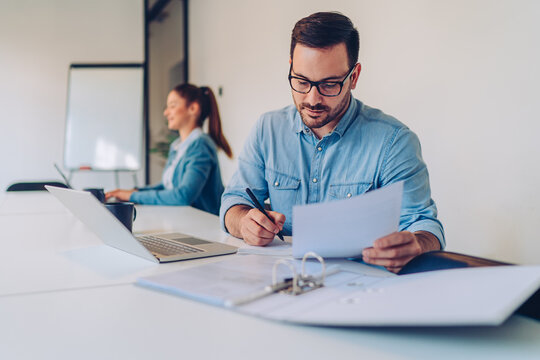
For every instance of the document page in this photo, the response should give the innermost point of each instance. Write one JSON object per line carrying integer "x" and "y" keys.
{"x": 343, "y": 228}
{"x": 227, "y": 280}
{"x": 275, "y": 248}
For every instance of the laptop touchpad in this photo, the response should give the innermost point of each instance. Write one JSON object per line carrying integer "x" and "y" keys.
{"x": 192, "y": 241}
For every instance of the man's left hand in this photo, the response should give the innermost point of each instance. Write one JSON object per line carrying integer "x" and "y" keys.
{"x": 397, "y": 249}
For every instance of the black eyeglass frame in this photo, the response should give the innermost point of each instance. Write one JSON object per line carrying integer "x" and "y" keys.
{"x": 317, "y": 83}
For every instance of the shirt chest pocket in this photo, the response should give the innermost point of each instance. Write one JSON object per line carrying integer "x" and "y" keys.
{"x": 283, "y": 189}
{"x": 345, "y": 191}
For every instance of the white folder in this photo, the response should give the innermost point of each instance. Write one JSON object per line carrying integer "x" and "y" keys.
{"x": 359, "y": 295}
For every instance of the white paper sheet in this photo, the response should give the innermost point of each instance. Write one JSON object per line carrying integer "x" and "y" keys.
{"x": 275, "y": 248}
{"x": 230, "y": 279}
{"x": 343, "y": 228}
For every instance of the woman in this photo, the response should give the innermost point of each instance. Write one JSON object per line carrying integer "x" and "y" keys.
{"x": 191, "y": 175}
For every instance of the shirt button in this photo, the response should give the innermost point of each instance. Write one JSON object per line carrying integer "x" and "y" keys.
{"x": 349, "y": 195}
{"x": 319, "y": 148}
{"x": 276, "y": 183}
{"x": 314, "y": 180}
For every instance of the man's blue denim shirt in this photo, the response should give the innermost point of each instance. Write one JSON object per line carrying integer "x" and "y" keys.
{"x": 283, "y": 161}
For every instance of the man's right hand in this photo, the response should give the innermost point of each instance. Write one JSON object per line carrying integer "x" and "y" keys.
{"x": 251, "y": 225}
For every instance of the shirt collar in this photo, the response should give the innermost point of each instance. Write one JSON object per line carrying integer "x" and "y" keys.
{"x": 342, "y": 126}
{"x": 195, "y": 133}
{"x": 298, "y": 124}
{"x": 347, "y": 118}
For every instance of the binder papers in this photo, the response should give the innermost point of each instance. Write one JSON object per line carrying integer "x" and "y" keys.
{"x": 275, "y": 248}
{"x": 343, "y": 228}
{"x": 226, "y": 281}
{"x": 355, "y": 295}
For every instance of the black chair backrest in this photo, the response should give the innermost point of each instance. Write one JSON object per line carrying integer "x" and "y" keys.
{"x": 34, "y": 186}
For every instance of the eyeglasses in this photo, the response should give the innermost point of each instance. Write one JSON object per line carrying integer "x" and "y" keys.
{"x": 325, "y": 88}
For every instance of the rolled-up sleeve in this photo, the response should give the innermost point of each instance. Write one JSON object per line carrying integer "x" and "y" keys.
{"x": 403, "y": 162}
{"x": 250, "y": 174}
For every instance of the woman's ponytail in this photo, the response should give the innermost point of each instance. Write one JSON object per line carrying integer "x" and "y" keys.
{"x": 207, "y": 101}
{"x": 209, "y": 108}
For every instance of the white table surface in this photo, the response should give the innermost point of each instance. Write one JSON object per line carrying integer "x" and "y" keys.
{"x": 53, "y": 250}
{"x": 65, "y": 295}
{"x": 128, "y": 322}
{"x": 29, "y": 202}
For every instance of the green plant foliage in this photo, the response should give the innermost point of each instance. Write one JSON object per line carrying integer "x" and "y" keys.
{"x": 162, "y": 147}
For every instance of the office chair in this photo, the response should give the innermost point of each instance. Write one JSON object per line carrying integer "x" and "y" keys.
{"x": 441, "y": 260}
{"x": 34, "y": 186}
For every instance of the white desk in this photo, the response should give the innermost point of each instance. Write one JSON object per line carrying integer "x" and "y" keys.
{"x": 29, "y": 202}
{"x": 73, "y": 298}
{"x": 53, "y": 250}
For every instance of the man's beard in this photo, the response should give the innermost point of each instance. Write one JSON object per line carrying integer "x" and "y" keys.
{"x": 327, "y": 115}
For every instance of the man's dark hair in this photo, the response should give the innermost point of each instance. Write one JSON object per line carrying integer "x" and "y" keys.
{"x": 326, "y": 29}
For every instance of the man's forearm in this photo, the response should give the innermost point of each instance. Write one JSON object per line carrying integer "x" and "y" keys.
{"x": 428, "y": 241}
{"x": 232, "y": 219}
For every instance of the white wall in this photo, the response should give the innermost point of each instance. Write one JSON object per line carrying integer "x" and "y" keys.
{"x": 463, "y": 74}
{"x": 38, "y": 41}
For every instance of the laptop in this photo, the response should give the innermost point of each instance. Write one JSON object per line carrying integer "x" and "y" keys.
{"x": 157, "y": 248}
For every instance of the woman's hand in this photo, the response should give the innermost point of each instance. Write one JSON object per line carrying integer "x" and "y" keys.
{"x": 119, "y": 194}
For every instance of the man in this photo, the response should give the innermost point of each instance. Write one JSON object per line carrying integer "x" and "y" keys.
{"x": 330, "y": 146}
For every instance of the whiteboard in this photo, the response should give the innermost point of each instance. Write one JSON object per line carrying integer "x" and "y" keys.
{"x": 104, "y": 117}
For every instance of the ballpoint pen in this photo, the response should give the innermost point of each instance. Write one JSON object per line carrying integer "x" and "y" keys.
{"x": 261, "y": 209}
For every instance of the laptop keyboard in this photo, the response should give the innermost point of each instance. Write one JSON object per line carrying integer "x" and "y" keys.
{"x": 166, "y": 247}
